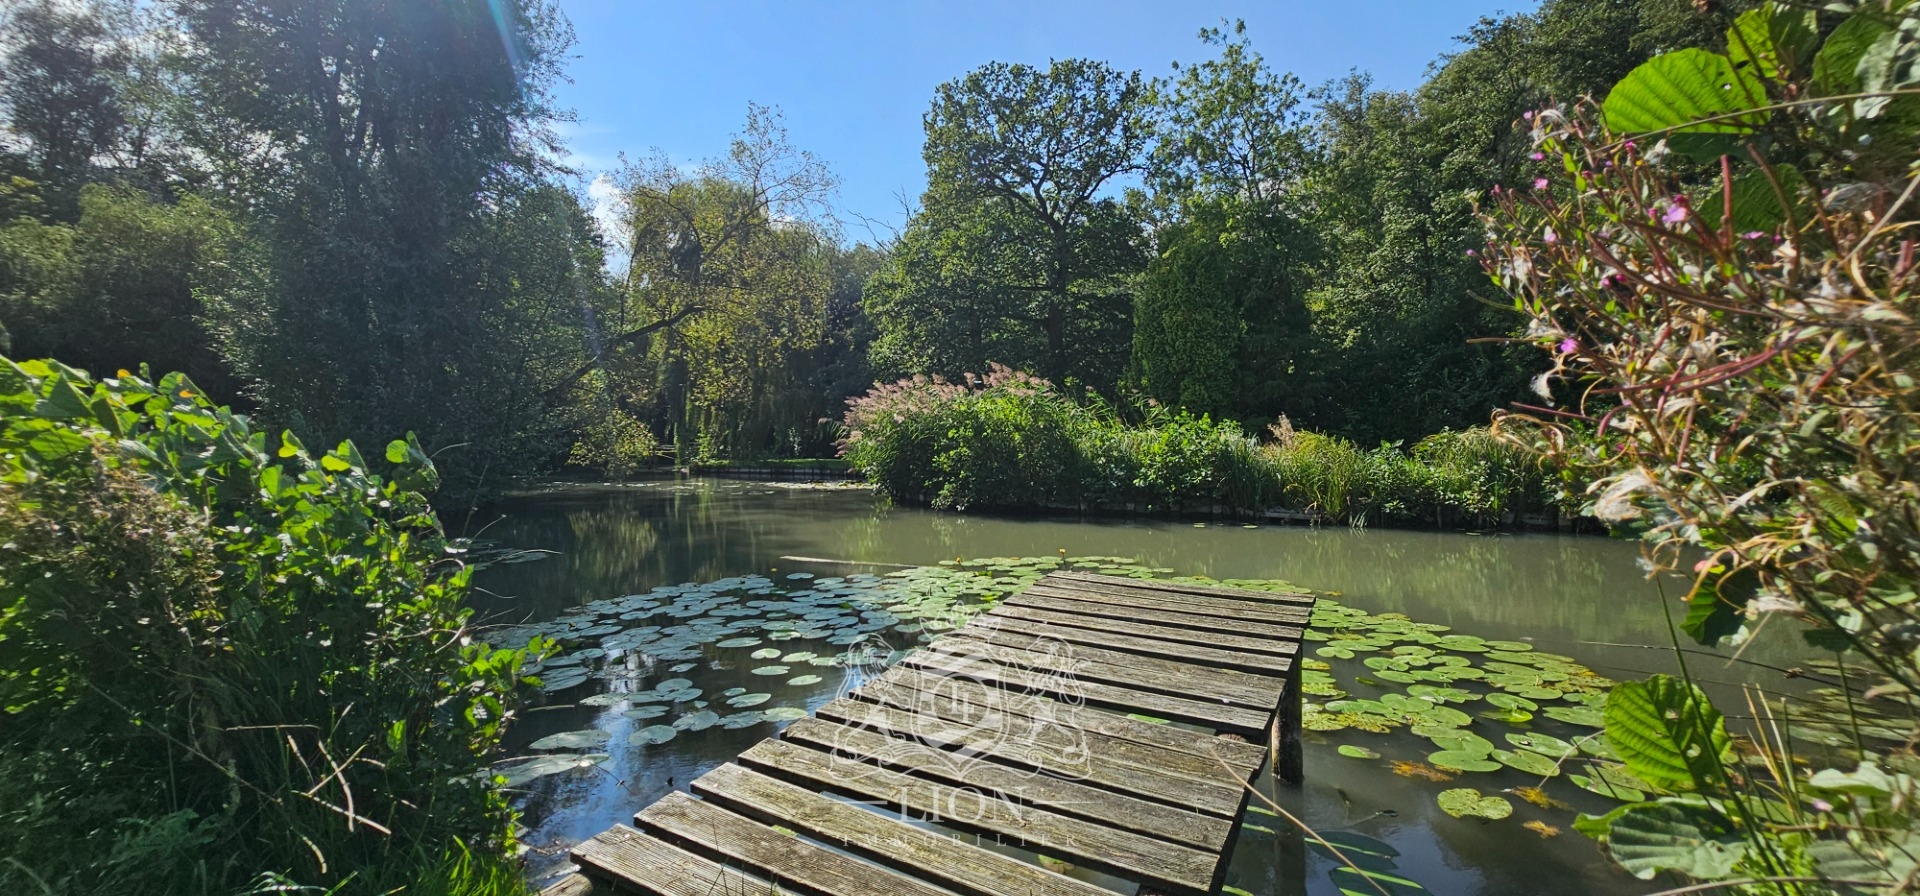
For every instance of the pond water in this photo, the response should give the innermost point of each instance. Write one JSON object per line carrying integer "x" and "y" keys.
{"x": 1580, "y": 597}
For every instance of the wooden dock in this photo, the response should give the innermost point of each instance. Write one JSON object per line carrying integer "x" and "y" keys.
{"x": 1024, "y": 729}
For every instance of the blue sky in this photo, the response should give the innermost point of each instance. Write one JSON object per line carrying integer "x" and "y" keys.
{"x": 854, "y": 76}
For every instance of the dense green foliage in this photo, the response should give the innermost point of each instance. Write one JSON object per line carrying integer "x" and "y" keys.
{"x": 1011, "y": 440}
{"x": 226, "y": 660}
{"x": 1277, "y": 259}
{"x": 1733, "y": 347}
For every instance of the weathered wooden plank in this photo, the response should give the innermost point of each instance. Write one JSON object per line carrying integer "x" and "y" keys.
{"x": 794, "y": 863}
{"x": 1145, "y": 859}
{"x": 1199, "y": 606}
{"x": 1244, "y": 756}
{"x": 1287, "y": 647}
{"x": 634, "y": 861}
{"x": 1225, "y": 592}
{"x": 1211, "y": 714}
{"x": 574, "y": 884}
{"x": 1063, "y": 754}
{"x": 1000, "y": 642}
{"x": 991, "y": 645}
{"x": 1027, "y": 733}
{"x": 1025, "y": 786}
{"x": 1152, "y": 611}
{"x": 1189, "y": 654}
{"x": 917, "y": 852}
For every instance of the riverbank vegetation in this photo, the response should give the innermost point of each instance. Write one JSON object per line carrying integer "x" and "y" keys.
{"x": 229, "y": 663}
{"x": 1010, "y": 440}
{"x": 1719, "y": 263}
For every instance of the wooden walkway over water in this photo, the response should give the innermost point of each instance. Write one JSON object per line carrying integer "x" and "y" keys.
{"x": 1020, "y": 730}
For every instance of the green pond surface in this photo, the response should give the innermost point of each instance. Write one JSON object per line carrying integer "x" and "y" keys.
{"x": 691, "y": 633}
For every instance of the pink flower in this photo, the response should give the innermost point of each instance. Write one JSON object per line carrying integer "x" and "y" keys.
{"x": 1527, "y": 115}
{"x": 1820, "y": 805}
{"x": 1568, "y": 346}
{"x": 1538, "y": 156}
{"x": 1472, "y": 254}
{"x": 1675, "y": 214}
{"x": 1539, "y": 183}
{"x": 1753, "y": 235}
{"x": 1550, "y": 236}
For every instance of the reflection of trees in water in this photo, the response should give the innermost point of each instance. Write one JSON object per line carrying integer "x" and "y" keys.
{"x": 611, "y": 551}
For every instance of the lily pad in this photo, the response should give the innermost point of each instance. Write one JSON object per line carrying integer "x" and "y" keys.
{"x": 653, "y": 734}
{"x": 572, "y": 740}
{"x": 697, "y": 721}
{"x": 1357, "y": 752}
{"x": 649, "y": 711}
{"x": 772, "y": 670}
{"x": 1510, "y": 701}
{"x": 1463, "y": 761}
{"x": 563, "y": 679}
{"x": 1611, "y": 791}
{"x": 1545, "y": 744}
{"x": 1585, "y": 716}
{"x": 1463, "y": 742}
{"x": 743, "y": 701}
{"x": 539, "y": 767}
{"x": 1527, "y": 761}
{"x": 785, "y": 714}
{"x": 738, "y": 642}
{"x": 1466, "y": 802}
{"x": 766, "y": 653}
{"x": 804, "y": 680}
{"x": 746, "y": 719}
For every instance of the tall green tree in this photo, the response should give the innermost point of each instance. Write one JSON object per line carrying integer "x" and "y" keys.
{"x": 60, "y": 68}
{"x": 1021, "y": 230}
{"x": 388, "y": 155}
{"x": 726, "y": 292}
{"x": 1220, "y": 325}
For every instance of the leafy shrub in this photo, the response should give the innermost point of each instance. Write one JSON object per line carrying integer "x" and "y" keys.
{"x": 227, "y": 661}
{"x": 1011, "y": 440}
{"x": 1741, "y": 349}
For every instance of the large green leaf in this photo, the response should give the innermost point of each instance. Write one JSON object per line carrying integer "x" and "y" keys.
{"x": 1667, "y": 733}
{"x": 1836, "y": 70}
{"x": 1714, "y": 608}
{"x": 1888, "y": 858}
{"x": 1678, "y": 92}
{"x": 1673, "y": 835}
{"x": 1775, "y": 41}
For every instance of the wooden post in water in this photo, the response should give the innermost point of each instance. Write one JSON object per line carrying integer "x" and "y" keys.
{"x": 1291, "y": 764}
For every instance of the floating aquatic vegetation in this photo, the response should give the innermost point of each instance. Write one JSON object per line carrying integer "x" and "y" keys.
{"x": 1466, "y": 802}
{"x": 1421, "y": 771}
{"x": 1357, "y": 752}
{"x": 572, "y": 740}
{"x": 519, "y": 773}
{"x": 1539, "y": 798}
{"x": 652, "y": 735}
{"x": 1542, "y": 828}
